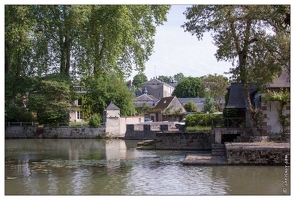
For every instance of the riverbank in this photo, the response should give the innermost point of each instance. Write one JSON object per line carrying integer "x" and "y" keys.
{"x": 254, "y": 153}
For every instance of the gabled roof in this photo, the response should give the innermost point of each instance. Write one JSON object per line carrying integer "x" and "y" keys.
{"x": 163, "y": 104}
{"x": 146, "y": 97}
{"x": 283, "y": 81}
{"x": 155, "y": 81}
{"x": 112, "y": 107}
{"x": 236, "y": 95}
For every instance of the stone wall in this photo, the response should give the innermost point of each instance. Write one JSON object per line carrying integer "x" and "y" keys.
{"x": 73, "y": 132}
{"x": 20, "y": 131}
{"x": 184, "y": 141}
{"x": 271, "y": 125}
{"x": 142, "y": 132}
{"x": 257, "y": 153}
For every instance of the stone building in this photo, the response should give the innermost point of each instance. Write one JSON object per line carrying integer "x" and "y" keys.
{"x": 158, "y": 88}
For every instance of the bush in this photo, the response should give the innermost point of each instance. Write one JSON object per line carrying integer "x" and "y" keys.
{"x": 17, "y": 114}
{"x": 95, "y": 121}
{"x": 200, "y": 119}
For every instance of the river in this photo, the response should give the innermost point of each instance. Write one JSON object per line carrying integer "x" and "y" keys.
{"x": 116, "y": 167}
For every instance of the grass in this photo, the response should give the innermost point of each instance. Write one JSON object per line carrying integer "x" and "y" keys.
{"x": 79, "y": 123}
{"x": 198, "y": 128}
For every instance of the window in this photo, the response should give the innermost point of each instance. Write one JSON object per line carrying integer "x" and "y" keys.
{"x": 79, "y": 102}
{"x": 79, "y": 115}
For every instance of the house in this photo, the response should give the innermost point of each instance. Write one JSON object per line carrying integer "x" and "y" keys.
{"x": 76, "y": 115}
{"x": 271, "y": 124}
{"x": 158, "y": 88}
{"x": 168, "y": 109}
{"x": 146, "y": 99}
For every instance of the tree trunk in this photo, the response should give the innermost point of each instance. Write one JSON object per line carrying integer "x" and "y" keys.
{"x": 249, "y": 110}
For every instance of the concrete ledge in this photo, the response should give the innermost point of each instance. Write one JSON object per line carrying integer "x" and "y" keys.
{"x": 204, "y": 160}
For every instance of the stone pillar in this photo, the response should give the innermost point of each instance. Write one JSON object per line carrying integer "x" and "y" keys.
{"x": 146, "y": 128}
{"x": 164, "y": 127}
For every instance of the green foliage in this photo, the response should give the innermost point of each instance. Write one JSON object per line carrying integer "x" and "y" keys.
{"x": 187, "y": 88}
{"x": 95, "y": 120}
{"x": 108, "y": 88}
{"x": 198, "y": 128}
{"x": 230, "y": 112}
{"x": 190, "y": 107}
{"x": 200, "y": 119}
{"x": 17, "y": 114}
{"x": 165, "y": 79}
{"x": 51, "y": 99}
{"x": 141, "y": 110}
{"x": 254, "y": 38}
{"x": 178, "y": 77}
{"x": 139, "y": 79}
{"x": 215, "y": 86}
{"x": 209, "y": 106}
{"x": 281, "y": 96}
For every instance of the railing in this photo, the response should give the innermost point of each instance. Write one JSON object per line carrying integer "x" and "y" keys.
{"x": 228, "y": 122}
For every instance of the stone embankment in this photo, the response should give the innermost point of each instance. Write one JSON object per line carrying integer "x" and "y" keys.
{"x": 62, "y": 132}
{"x": 253, "y": 153}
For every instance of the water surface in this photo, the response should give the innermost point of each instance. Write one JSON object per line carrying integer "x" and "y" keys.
{"x": 115, "y": 167}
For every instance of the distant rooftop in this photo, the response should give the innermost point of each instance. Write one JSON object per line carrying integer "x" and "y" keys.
{"x": 113, "y": 107}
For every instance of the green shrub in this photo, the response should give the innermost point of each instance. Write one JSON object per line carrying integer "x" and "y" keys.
{"x": 200, "y": 119}
{"x": 95, "y": 121}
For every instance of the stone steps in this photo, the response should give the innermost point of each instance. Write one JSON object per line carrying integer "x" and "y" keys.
{"x": 218, "y": 150}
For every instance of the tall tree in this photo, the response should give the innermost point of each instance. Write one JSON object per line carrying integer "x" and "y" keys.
{"x": 120, "y": 37}
{"x": 246, "y": 35}
{"x": 215, "y": 85}
{"x": 19, "y": 25}
{"x": 188, "y": 87}
{"x": 138, "y": 79}
{"x": 103, "y": 90}
{"x": 178, "y": 77}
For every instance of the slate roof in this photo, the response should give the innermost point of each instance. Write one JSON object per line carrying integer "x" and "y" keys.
{"x": 195, "y": 100}
{"x": 283, "y": 81}
{"x": 236, "y": 95}
{"x": 163, "y": 104}
{"x": 112, "y": 107}
{"x": 155, "y": 81}
{"x": 146, "y": 97}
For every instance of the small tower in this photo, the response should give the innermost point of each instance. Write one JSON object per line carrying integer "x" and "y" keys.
{"x": 112, "y": 117}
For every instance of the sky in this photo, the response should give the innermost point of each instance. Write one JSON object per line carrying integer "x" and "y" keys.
{"x": 178, "y": 51}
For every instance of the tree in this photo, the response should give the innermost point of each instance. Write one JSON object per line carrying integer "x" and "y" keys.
{"x": 215, "y": 87}
{"x": 209, "y": 106}
{"x": 139, "y": 79}
{"x": 118, "y": 37}
{"x": 80, "y": 39}
{"x": 246, "y": 35}
{"x": 165, "y": 79}
{"x": 103, "y": 90}
{"x": 52, "y": 99}
{"x": 190, "y": 107}
{"x": 178, "y": 77}
{"x": 188, "y": 87}
{"x": 18, "y": 43}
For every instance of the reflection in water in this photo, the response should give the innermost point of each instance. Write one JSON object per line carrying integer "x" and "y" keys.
{"x": 115, "y": 167}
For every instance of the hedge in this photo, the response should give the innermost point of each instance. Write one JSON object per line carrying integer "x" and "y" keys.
{"x": 200, "y": 119}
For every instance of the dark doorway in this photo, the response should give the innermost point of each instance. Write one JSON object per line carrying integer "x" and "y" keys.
{"x": 228, "y": 137}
